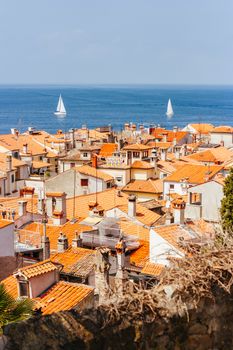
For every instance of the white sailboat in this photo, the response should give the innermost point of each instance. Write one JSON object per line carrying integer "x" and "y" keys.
{"x": 60, "y": 107}
{"x": 170, "y": 112}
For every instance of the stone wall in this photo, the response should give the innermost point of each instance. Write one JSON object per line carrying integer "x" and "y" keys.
{"x": 208, "y": 326}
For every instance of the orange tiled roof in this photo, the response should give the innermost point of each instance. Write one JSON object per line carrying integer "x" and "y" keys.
{"x": 54, "y": 194}
{"x": 4, "y": 223}
{"x": 152, "y": 269}
{"x": 32, "y": 233}
{"x": 75, "y": 261}
{"x": 136, "y": 147}
{"x": 15, "y": 162}
{"x": 172, "y": 234}
{"x": 108, "y": 149}
{"x": 145, "y": 186}
{"x": 222, "y": 129}
{"x": 130, "y": 228}
{"x": 144, "y": 215}
{"x": 171, "y": 135}
{"x": 37, "y": 269}
{"x": 218, "y": 154}
{"x": 194, "y": 173}
{"x": 13, "y": 142}
{"x": 140, "y": 164}
{"x": 140, "y": 256}
{"x": 63, "y": 296}
{"x": 10, "y": 284}
{"x": 39, "y": 165}
{"x": 88, "y": 170}
{"x": 202, "y": 128}
{"x": 158, "y": 144}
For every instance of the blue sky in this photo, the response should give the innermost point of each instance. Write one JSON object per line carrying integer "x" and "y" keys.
{"x": 116, "y": 41}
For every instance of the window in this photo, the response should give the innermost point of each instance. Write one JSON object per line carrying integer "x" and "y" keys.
{"x": 85, "y": 154}
{"x": 136, "y": 154}
{"x": 84, "y": 182}
{"x": 108, "y": 184}
{"x": 172, "y": 187}
{"x": 119, "y": 178}
{"x": 72, "y": 165}
{"x": 23, "y": 288}
{"x": 54, "y": 203}
{"x": 41, "y": 157}
{"x": 12, "y": 178}
{"x": 0, "y": 190}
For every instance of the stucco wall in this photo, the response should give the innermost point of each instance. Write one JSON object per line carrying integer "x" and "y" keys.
{"x": 7, "y": 240}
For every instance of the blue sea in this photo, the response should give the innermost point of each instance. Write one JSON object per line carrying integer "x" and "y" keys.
{"x": 23, "y": 106}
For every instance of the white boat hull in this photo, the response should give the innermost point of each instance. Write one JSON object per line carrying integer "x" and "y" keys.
{"x": 59, "y": 113}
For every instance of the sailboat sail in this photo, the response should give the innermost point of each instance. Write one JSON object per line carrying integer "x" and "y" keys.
{"x": 60, "y": 107}
{"x": 170, "y": 112}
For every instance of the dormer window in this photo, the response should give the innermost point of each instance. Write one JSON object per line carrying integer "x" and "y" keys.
{"x": 23, "y": 288}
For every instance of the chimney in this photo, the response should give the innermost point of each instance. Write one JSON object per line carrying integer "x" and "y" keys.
{"x": 163, "y": 154}
{"x": 178, "y": 206}
{"x": 22, "y": 208}
{"x": 56, "y": 206}
{"x": 77, "y": 240}
{"x": 121, "y": 276}
{"x": 45, "y": 242}
{"x": 169, "y": 219}
{"x": 8, "y": 162}
{"x": 155, "y": 160}
{"x": 132, "y": 206}
{"x": 222, "y": 143}
{"x": 94, "y": 161}
{"x": 164, "y": 136}
{"x": 102, "y": 267}
{"x": 175, "y": 128}
{"x": 25, "y": 148}
{"x": 62, "y": 243}
{"x": 184, "y": 150}
{"x": 177, "y": 152}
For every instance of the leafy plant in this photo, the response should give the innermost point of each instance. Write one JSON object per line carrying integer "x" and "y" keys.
{"x": 12, "y": 310}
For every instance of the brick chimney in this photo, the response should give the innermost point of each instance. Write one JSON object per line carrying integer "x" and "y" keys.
{"x": 62, "y": 243}
{"x": 132, "y": 206}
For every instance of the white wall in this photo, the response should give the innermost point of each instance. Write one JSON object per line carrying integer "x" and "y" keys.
{"x": 211, "y": 196}
{"x": 160, "y": 249}
{"x": 218, "y": 137}
{"x": 114, "y": 172}
{"x": 39, "y": 284}
{"x": 7, "y": 240}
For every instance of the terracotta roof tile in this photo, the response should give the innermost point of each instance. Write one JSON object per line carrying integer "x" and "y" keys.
{"x": 136, "y": 147}
{"x": 88, "y": 170}
{"x": 140, "y": 164}
{"x": 10, "y": 284}
{"x": 108, "y": 149}
{"x": 76, "y": 261}
{"x": 202, "y": 128}
{"x": 146, "y": 186}
{"x": 63, "y": 296}
{"x": 194, "y": 173}
{"x": 152, "y": 269}
{"x": 37, "y": 269}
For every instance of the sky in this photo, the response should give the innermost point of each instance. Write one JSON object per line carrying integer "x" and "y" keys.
{"x": 116, "y": 42}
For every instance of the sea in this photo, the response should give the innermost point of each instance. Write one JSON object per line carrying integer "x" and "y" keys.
{"x": 22, "y": 106}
